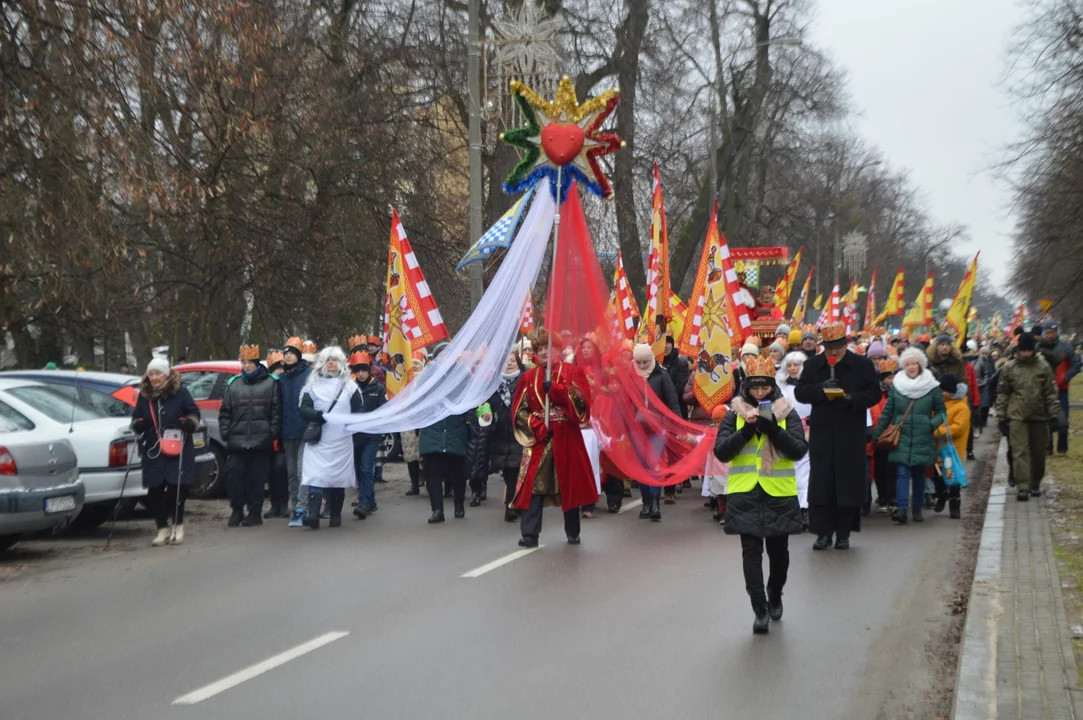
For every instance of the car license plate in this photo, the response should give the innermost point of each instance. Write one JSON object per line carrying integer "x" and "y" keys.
{"x": 64, "y": 503}
{"x": 133, "y": 453}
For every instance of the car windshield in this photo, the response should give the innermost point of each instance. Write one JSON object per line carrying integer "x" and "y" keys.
{"x": 54, "y": 404}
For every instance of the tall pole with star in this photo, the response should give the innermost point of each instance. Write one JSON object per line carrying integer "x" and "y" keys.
{"x": 477, "y": 277}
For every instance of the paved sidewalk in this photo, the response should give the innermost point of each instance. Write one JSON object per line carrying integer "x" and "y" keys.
{"x": 1017, "y": 661}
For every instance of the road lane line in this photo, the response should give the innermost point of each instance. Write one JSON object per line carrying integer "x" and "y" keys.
{"x": 209, "y": 691}
{"x": 500, "y": 562}
{"x": 630, "y": 506}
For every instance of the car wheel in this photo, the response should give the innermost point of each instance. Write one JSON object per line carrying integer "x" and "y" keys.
{"x": 92, "y": 516}
{"x": 214, "y": 485}
{"x": 7, "y": 541}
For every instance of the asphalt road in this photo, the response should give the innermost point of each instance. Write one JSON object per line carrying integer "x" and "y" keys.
{"x": 643, "y": 620}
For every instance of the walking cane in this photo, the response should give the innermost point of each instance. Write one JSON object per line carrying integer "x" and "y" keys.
{"x": 180, "y": 477}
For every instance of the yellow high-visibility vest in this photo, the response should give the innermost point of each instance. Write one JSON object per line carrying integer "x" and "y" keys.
{"x": 746, "y": 471}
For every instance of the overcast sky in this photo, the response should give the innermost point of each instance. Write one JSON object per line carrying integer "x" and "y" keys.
{"x": 926, "y": 78}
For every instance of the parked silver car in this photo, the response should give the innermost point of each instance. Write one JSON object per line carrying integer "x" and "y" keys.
{"x": 40, "y": 487}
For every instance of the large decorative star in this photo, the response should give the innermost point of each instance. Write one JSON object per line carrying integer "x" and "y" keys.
{"x": 561, "y": 140}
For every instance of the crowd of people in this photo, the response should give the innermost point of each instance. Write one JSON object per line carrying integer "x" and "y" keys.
{"x": 817, "y": 420}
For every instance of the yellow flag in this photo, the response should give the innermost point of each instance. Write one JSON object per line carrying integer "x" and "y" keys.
{"x": 921, "y": 314}
{"x": 896, "y": 303}
{"x": 397, "y": 315}
{"x": 785, "y": 285}
{"x": 818, "y": 302}
{"x": 802, "y": 301}
{"x": 957, "y": 315}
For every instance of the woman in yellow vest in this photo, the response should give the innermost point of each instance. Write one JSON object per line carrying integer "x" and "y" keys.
{"x": 762, "y": 437}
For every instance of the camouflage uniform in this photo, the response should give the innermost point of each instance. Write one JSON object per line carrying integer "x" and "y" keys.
{"x": 1027, "y": 400}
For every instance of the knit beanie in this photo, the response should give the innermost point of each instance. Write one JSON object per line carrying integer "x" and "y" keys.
{"x": 795, "y": 337}
{"x": 750, "y": 349}
{"x": 876, "y": 349}
{"x": 783, "y": 329}
{"x": 777, "y": 348}
{"x": 949, "y": 383}
{"x": 158, "y": 365}
{"x": 944, "y": 339}
{"x": 810, "y": 335}
{"x": 1027, "y": 342}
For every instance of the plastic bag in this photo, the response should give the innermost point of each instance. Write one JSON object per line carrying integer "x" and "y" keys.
{"x": 951, "y": 466}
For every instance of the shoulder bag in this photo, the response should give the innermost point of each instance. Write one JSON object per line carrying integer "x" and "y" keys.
{"x": 889, "y": 438}
{"x": 314, "y": 430}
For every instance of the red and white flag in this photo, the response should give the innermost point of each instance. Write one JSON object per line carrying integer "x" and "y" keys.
{"x": 832, "y": 314}
{"x": 526, "y": 324}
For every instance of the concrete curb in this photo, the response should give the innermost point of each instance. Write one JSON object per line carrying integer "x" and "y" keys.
{"x": 975, "y": 688}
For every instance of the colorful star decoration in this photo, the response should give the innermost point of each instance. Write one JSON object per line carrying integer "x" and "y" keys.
{"x": 562, "y": 138}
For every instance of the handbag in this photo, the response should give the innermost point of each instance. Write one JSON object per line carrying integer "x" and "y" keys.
{"x": 314, "y": 430}
{"x": 951, "y": 465}
{"x": 889, "y": 438}
{"x": 171, "y": 442}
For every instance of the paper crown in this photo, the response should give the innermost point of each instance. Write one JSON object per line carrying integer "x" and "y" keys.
{"x": 889, "y": 366}
{"x": 275, "y": 357}
{"x": 373, "y": 340}
{"x": 249, "y": 353}
{"x": 878, "y": 331}
{"x": 833, "y": 333}
{"x": 360, "y": 358}
{"x": 760, "y": 366}
{"x": 357, "y": 341}
{"x": 754, "y": 340}
{"x": 308, "y": 348}
{"x": 924, "y": 338}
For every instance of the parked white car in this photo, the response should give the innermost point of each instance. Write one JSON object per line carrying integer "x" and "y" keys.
{"x": 107, "y": 453}
{"x": 39, "y": 481}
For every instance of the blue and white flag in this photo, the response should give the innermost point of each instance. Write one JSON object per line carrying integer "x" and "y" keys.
{"x": 499, "y": 235}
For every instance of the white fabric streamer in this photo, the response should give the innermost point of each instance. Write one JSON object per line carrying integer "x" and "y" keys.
{"x": 471, "y": 367}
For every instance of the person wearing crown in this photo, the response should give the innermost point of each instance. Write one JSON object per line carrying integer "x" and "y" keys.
{"x": 840, "y": 386}
{"x": 762, "y": 437}
{"x": 249, "y": 421}
{"x": 365, "y": 445}
{"x": 555, "y": 469}
{"x": 278, "y": 487}
{"x": 292, "y": 379}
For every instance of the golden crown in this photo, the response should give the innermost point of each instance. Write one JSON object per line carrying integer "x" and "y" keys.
{"x": 889, "y": 365}
{"x": 374, "y": 340}
{"x": 249, "y": 353}
{"x": 760, "y": 366}
{"x": 833, "y": 333}
{"x": 295, "y": 343}
{"x": 357, "y": 341}
{"x": 308, "y": 348}
{"x": 360, "y": 358}
{"x": 274, "y": 357}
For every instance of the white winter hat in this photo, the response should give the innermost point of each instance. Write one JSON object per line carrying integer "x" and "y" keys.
{"x": 913, "y": 354}
{"x": 158, "y": 365}
{"x": 750, "y": 349}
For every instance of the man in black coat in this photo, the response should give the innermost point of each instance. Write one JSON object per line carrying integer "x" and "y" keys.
{"x": 841, "y": 386}
{"x": 678, "y": 370}
{"x": 249, "y": 421}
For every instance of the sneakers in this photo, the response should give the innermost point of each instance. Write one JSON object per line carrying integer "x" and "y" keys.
{"x": 177, "y": 536}
{"x": 162, "y": 538}
{"x": 298, "y": 518}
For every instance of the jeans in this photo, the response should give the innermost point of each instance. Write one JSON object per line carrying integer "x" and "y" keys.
{"x": 364, "y": 467}
{"x": 1062, "y": 434}
{"x": 649, "y": 491}
{"x": 778, "y": 557}
{"x": 909, "y": 479}
{"x": 294, "y": 450}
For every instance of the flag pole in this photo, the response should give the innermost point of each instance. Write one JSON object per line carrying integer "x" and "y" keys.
{"x": 552, "y": 266}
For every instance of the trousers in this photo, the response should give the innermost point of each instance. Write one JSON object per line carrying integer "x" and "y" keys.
{"x": 278, "y": 484}
{"x": 1062, "y": 434}
{"x": 294, "y": 450}
{"x": 442, "y": 470}
{"x": 248, "y": 471}
{"x": 778, "y": 559}
{"x": 1028, "y": 444}
{"x": 511, "y": 478}
{"x": 530, "y": 522}
{"x": 614, "y": 491}
{"x": 162, "y": 503}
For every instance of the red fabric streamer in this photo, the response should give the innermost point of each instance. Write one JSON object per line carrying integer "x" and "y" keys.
{"x": 638, "y": 434}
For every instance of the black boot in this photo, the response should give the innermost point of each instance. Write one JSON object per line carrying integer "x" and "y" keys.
{"x": 475, "y": 501}
{"x": 528, "y": 542}
{"x": 312, "y": 517}
{"x": 899, "y": 516}
{"x": 460, "y": 511}
{"x": 656, "y": 510}
{"x": 955, "y": 509}
{"x": 274, "y": 512}
{"x": 336, "y": 502}
{"x": 918, "y": 517}
{"x": 842, "y": 542}
{"x": 1023, "y": 496}
{"x": 645, "y": 511}
{"x": 823, "y": 542}
{"x": 761, "y": 625}
{"x": 252, "y": 519}
{"x": 236, "y": 517}
{"x": 941, "y": 501}
{"x": 511, "y": 515}
{"x": 414, "y": 468}
{"x": 774, "y": 604}
{"x": 437, "y": 517}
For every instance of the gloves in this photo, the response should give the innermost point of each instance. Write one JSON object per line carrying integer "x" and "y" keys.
{"x": 558, "y": 393}
{"x": 748, "y": 431}
{"x": 767, "y": 426}
{"x": 189, "y": 425}
{"x": 537, "y": 426}
{"x": 1004, "y": 427}
{"x": 830, "y": 384}
{"x": 139, "y": 426}
{"x": 319, "y": 418}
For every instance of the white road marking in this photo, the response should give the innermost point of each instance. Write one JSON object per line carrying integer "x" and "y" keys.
{"x": 630, "y": 506}
{"x": 209, "y": 691}
{"x": 500, "y": 562}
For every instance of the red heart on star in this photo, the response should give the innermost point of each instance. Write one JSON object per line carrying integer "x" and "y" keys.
{"x": 562, "y": 142}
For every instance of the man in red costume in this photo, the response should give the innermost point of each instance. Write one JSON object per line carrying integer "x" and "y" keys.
{"x": 555, "y": 469}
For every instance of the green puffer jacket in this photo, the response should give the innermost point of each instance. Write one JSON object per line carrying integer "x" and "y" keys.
{"x": 917, "y": 446}
{"x": 1026, "y": 391}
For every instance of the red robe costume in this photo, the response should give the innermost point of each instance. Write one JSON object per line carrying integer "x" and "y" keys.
{"x": 558, "y": 469}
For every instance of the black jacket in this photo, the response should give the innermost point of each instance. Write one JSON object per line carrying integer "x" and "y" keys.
{"x": 662, "y": 385}
{"x": 755, "y": 512}
{"x": 171, "y": 404}
{"x": 505, "y": 452}
{"x": 373, "y": 395}
{"x": 678, "y": 370}
{"x": 251, "y": 414}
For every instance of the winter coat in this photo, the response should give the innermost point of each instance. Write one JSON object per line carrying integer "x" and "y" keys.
{"x": 958, "y": 424}
{"x": 1026, "y": 391}
{"x": 984, "y": 370}
{"x": 696, "y": 413}
{"x": 756, "y": 512}
{"x": 505, "y": 452}
{"x": 373, "y": 396}
{"x": 837, "y": 430}
{"x": 1062, "y": 359}
{"x": 449, "y": 435}
{"x": 329, "y": 463}
{"x": 172, "y": 403}
{"x": 477, "y": 449}
{"x": 953, "y": 363}
{"x": 973, "y": 397}
{"x": 660, "y": 382}
{"x": 251, "y": 413}
{"x": 917, "y": 445}
{"x": 678, "y": 370}
{"x": 290, "y": 383}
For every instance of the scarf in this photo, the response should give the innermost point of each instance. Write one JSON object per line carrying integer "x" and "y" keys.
{"x": 917, "y": 387}
{"x": 507, "y": 385}
{"x": 645, "y": 373}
